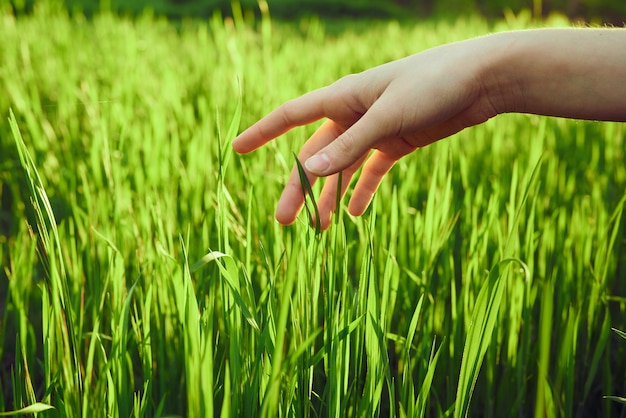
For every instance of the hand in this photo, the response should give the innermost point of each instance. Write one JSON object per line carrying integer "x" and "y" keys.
{"x": 378, "y": 116}
{"x": 374, "y": 118}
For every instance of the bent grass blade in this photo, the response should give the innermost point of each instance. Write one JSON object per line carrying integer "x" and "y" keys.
{"x": 229, "y": 271}
{"x": 307, "y": 191}
{"x": 31, "y": 409}
{"x": 616, "y": 399}
{"x": 620, "y": 333}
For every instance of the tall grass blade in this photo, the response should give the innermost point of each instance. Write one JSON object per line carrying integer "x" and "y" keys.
{"x": 52, "y": 258}
{"x": 484, "y": 318}
{"x": 422, "y": 397}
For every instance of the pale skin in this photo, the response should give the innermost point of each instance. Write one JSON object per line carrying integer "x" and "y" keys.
{"x": 376, "y": 117}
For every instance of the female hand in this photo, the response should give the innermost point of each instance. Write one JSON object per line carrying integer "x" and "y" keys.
{"x": 378, "y": 116}
{"x": 374, "y": 118}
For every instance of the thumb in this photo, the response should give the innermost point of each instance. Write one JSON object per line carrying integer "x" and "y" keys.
{"x": 348, "y": 147}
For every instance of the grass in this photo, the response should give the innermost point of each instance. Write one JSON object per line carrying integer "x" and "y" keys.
{"x": 143, "y": 274}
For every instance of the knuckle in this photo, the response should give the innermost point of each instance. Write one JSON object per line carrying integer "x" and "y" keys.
{"x": 345, "y": 85}
{"x": 346, "y": 144}
{"x": 379, "y": 171}
{"x": 346, "y": 80}
{"x": 285, "y": 112}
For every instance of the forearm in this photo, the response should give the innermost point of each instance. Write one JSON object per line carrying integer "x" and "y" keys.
{"x": 573, "y": 73}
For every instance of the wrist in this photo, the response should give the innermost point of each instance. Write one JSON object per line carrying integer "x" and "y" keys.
{"x": 500, "y": 73}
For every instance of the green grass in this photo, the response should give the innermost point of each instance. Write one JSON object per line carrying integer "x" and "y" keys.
{"x": 143, "y": 273}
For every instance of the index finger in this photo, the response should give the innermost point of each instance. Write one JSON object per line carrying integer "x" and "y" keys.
{"x": 296, "y": 112}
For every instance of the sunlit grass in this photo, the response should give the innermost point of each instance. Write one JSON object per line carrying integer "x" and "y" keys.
{"x": 143, "y": 273}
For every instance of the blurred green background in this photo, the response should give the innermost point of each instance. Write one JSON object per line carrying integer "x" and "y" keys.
{"x": 597, "y": 11}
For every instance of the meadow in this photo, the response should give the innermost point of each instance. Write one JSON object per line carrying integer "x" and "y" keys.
{"x": 143, "y": 274}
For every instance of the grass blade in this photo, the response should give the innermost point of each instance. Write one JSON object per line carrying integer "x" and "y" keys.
{"x": 483, "y": 322}
{"x": 308, "y": 194}
{"x": 31, "y": 409}
{"x": 620, "y": 333}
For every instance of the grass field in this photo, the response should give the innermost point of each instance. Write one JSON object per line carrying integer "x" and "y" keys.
{"x": 143, "y": 274}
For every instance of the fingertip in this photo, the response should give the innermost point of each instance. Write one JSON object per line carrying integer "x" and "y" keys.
{"x": 324, "y": 221}
{"x": 239, "y": 143}
{"x": 283, "y": 219}
{"x": 250, "y": 139}
{"x": 358, "y": 207}
{"x": 286, "y": 214}
{"x": 237, "y": 147}
{"x": 287, "y": 219}
{"x": 289, "y": 205}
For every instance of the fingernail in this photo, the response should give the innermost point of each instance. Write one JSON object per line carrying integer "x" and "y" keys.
{"x": 317, "y": 164}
